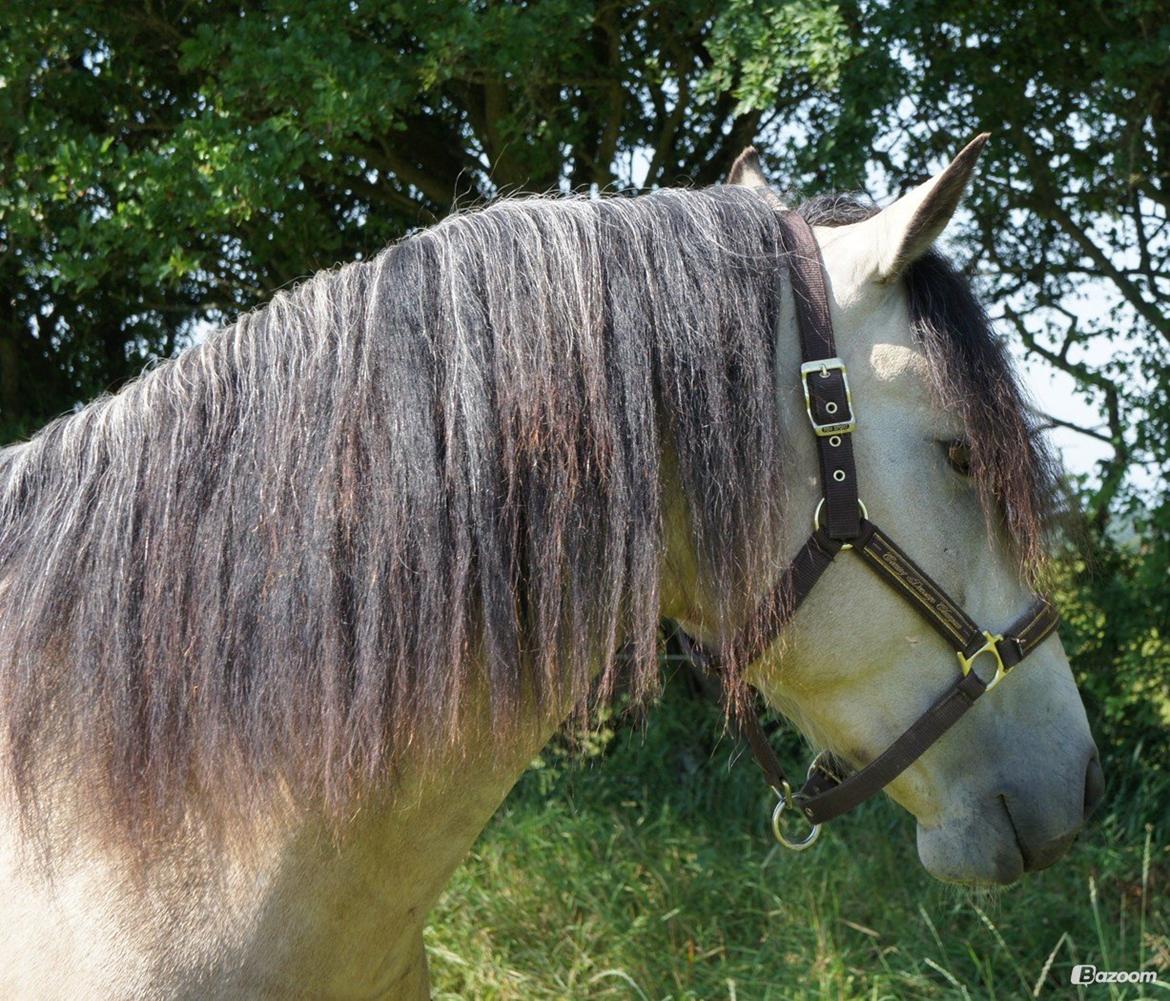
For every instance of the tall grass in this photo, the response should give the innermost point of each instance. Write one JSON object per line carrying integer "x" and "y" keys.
{"x": 647, "y": 872}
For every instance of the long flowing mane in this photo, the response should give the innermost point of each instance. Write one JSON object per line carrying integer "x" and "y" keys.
{"x": 288, "y": 555}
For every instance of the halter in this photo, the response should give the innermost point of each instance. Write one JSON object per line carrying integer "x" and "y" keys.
{"x": 829, "y": 790}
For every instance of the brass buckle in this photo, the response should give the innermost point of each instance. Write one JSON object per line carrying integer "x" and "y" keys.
{"x": 991, "y": 647}
{"x": 824, "y": 367}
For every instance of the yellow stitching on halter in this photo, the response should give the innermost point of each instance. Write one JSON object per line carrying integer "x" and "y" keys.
{"x": 931, "y": 596}
{"x": 1022, "y": 637}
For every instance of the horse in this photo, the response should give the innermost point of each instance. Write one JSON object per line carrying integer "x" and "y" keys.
{"x": 283, "y": 619}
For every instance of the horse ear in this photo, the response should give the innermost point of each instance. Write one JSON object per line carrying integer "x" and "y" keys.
{"x": 900, "y": 234}
{"x": 747, "y": 170}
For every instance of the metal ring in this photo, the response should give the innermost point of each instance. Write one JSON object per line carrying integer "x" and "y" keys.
{"x": 817, "y": 517}
{"x": 830, "y": 407}
{"x": 834, "y": 440}
{"x": 796, "y": 846}
{"x": 839, "y": 475}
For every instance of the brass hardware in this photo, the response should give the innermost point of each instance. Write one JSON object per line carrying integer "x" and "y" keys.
{"x": 991, "y": 647}
{"x": 824, "y": 367}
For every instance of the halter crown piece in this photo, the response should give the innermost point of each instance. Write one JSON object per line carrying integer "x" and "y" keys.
{"x": 830, "y": 788}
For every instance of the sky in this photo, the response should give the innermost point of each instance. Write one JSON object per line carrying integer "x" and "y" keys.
{"x": 1053, "y": 392}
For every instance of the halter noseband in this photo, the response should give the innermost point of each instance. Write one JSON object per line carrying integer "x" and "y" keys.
{"x": 826, "y": 793}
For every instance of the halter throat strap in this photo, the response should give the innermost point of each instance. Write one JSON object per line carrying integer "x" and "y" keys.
{"x": 831, "y": 788}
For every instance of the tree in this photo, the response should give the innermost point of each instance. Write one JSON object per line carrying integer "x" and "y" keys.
{"x": 171, "y": 163}
{"x": 166, "y": 164}
{"x": 1069, "y": 218}
{"x": 1069, "y": 235}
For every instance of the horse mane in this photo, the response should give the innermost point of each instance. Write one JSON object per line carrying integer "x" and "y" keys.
{"x": 288, "y": 555}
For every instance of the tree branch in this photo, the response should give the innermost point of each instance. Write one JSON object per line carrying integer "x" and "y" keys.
{"x": 1048, "y": 421}
{"x": 1114, "y": 468}
{"x": 1052, "y": 206}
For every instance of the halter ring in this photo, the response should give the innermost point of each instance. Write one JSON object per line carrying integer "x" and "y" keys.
{"x": 817, "y": 518}
{"x": 785, "y": 798}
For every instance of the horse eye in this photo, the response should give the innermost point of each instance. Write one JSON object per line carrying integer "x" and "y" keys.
{"x": 959, "y": 456}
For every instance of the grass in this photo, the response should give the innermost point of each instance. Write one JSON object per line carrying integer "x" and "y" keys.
{"x": 647, "y": 872}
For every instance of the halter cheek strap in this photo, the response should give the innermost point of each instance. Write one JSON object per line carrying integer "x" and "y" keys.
{"x": 841, "y": 523}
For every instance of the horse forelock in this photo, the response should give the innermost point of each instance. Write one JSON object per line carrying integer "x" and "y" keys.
{"x": 287, "y": 556}
{"x": 972, "y": 372}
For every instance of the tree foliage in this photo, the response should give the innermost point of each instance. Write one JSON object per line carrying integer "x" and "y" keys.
{"x": 173, "y": 162}
{"x": 1068, "y": 235}
{"x": 1069, "y": 218}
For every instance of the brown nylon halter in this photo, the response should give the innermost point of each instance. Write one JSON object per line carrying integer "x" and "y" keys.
{"x": 829, "y": 790}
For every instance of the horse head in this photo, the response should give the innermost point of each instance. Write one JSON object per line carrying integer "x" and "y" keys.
{"x": 947, "y": 464}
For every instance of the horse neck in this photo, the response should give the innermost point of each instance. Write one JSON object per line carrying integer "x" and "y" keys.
{"x": 290, "y": 900}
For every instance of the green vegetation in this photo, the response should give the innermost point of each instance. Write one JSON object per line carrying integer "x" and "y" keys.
{"x": 169, "y": 164}
{"x": 647, "y": 872}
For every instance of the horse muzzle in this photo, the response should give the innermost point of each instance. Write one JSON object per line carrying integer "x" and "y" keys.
{"x": 996, "y": 838}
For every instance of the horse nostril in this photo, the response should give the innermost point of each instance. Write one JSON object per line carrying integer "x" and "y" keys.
{"x": 1094, "y": 785}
